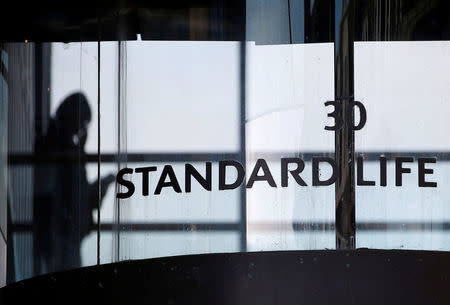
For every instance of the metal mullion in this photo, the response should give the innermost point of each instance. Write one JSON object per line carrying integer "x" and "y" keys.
{"x": 344, "y": 137}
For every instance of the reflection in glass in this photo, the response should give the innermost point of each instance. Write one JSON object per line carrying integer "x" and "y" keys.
{"x": 63, "y": 195}
{"x": 168, "y": 101}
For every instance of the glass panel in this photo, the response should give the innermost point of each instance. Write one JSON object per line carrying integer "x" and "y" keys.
{"x": 182, "y": 109}
{"x": 52, "y": 129}
{"x": 213, "y": 132}
{"x": 175, "y": 113}
{"x": 404, "y": 87}
{"x": 219, "y": 128}
{"x": 285, "y": 118}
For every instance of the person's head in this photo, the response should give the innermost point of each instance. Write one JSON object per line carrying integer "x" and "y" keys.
{"x": 73, "y": 117}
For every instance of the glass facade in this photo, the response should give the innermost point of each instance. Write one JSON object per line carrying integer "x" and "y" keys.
{"x": 222, "y": 127}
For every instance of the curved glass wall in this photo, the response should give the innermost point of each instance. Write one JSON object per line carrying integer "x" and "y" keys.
{"x": 224, "y": 127}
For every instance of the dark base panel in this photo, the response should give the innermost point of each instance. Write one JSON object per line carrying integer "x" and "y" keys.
{"x": 288, "y": 277}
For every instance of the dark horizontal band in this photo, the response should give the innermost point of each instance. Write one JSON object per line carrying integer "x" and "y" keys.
{"x": 34, "y": 159}
{"x": 406, "y": 226}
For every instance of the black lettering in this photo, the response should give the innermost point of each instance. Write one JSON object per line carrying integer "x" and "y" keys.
{"x": 222, "y": 174}
{"x": 295, "y": 173}
{"x": 362, "y": 115}
{"x": 190, "y": 171}
{"x": 360, "y": 173}
{"x": 145, "y": 171}
{"x": 267, "y": 176}
{"x": 336, "y": 114}
{"x": 399, "y": 169}
{"x": 315, "y": 171}
{"x": 126, "y": 183}
{"x": 423, "y": 171}
{"x": 383, "y": 176}
{"x": 173, "y": 182}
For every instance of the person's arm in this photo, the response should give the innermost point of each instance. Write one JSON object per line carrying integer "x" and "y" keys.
{"x": 104, "y": 185}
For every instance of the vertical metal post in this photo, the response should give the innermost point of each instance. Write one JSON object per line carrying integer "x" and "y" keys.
{"x": 119, "y": 129}
{"x": 344, "y": 138}
{"x": 289, "y": 20}
{"x": 242, "y": 84}
{"x": 99, "y": 185}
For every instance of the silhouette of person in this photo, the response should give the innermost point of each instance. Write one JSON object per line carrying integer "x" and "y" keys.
{"x": 64, "y": 199}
